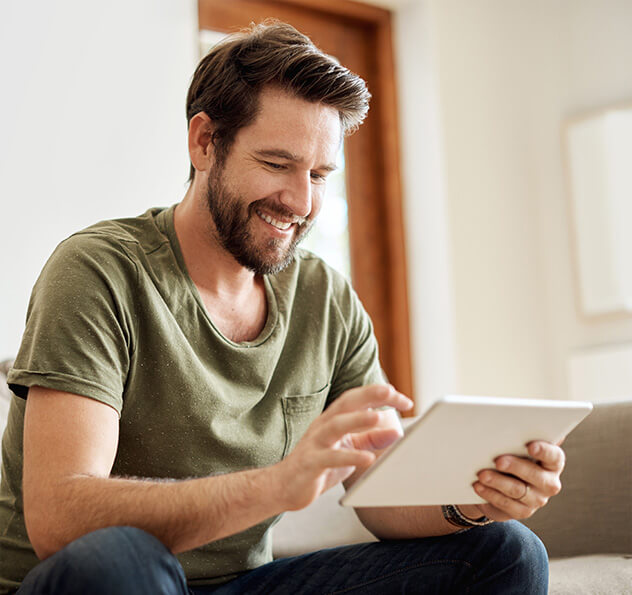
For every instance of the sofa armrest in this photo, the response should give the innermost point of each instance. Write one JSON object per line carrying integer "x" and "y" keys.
{"x": 593, "y": 512}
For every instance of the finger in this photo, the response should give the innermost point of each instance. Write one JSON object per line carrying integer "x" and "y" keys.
{"x": 334, "y": 428}
{"x": 547, "y": 482}
{"x": 344, "y": 457}
{"x": 510, "y": 486}
{"x": 513, "y": 508}
{"x": 378, "y": 439}
{"x": 513, "y": 487}
{"x": 364, "y": 397}
{"x": 550, "y": 456}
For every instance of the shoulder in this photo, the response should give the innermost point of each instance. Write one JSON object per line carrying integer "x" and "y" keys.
{"x": 130, "y": 233}
{"x": 104, "y": 255}
{"x": 110, "y": 245}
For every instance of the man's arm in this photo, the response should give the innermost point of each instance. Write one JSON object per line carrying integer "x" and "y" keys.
{"x": 70, "y": 444}
{"x": 503, "y": 492}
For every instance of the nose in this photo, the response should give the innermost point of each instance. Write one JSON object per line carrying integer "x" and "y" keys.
{"x": 297, "y": 195}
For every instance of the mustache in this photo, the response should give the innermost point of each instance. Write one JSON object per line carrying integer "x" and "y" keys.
{"x": 276, "y": 209}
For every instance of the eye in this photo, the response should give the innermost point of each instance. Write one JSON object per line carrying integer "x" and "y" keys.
{"x": 275, "y": 166}
{"x": 316, "y": 177}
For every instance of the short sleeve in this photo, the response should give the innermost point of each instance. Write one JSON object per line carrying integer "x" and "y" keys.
{"x": 79, "y": 325}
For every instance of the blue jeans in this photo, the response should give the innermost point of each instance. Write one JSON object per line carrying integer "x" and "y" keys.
{"x": 500, "y": 558}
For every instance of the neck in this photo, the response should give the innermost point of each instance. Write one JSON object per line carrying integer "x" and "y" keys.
{"x": 213, "y": 270}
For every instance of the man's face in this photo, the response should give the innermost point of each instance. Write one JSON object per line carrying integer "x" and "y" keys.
{"x": 265, "y": 196}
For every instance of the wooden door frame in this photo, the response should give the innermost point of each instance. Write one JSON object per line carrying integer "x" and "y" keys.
{"x": 376, "y": 227}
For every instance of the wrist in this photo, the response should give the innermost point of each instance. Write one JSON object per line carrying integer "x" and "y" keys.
{"x": 279, "y": 485}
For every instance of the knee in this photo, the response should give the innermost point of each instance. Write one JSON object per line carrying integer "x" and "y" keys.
{"x": 113, "y": 560}
{"x": 521, "y": 554}
{"x": 524, "y": 546}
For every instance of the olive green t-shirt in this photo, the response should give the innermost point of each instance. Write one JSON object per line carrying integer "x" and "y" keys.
{"x": 114, "y": 316}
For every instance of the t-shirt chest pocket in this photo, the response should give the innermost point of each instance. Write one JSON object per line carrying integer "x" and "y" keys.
{"x": 299, "y": 412}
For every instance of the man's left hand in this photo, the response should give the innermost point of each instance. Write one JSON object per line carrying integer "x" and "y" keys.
{"x": 518, "y": 486}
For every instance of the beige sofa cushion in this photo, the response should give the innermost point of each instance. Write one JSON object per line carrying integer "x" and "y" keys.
{"x": 591, "y": 575}
{"x": 323, "y": 524}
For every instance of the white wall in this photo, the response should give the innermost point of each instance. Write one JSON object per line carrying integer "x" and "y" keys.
{"x": 505, "y": 73}
{"x": 431, "y": 286}
{"x": 92, "y": 114}
{"x": 595, "y": 73}
{"x": 484, "y": 88}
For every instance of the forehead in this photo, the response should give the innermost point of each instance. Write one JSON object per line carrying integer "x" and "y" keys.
{"x": 284, "y": 121}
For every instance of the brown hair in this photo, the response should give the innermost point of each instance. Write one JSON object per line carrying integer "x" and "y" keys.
{"x": 228, "y": 81}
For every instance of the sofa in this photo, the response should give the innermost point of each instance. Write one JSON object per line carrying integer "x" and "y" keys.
{"x": 587, "y": 528}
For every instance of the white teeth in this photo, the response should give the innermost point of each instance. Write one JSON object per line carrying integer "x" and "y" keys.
{"x": 276, "y": 223}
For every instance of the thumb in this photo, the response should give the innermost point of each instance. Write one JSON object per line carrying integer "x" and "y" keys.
{"x": 376, "y": 439}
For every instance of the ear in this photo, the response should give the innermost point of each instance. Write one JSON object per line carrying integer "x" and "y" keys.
{"x": 201, "y": 151}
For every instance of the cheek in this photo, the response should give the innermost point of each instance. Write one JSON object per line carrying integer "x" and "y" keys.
{"x": 256, "y": 185}
{"x": 318, "y": 197}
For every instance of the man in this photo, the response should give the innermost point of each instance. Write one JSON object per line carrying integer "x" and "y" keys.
{"x": 191, "y": 375}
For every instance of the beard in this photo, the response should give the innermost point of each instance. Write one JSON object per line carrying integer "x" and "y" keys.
{"x": 233, "y": 218}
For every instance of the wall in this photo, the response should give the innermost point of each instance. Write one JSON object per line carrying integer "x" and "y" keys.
{"x": 485, "y": 80}
{"x": 430, "y": 281}
{"x": 596, "y": 74}
{"x": 93, "y": 125}
{"x": 485, "y": 154}
{"x": 485, "y": 85}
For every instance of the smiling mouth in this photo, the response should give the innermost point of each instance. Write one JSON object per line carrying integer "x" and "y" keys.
{"x": 280, "y": 225}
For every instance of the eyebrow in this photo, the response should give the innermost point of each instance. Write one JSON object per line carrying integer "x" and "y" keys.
{"x": 283, "y": 154}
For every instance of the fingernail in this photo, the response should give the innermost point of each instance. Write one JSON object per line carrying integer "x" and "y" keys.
{"x": 535, "y": 449}
{"x": 502, "y": 464}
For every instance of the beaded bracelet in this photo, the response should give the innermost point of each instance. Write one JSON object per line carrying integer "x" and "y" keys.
{"x": 454, "y": 516}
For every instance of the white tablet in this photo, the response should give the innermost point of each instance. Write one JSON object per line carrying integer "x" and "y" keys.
{"x": 437, "y": 460}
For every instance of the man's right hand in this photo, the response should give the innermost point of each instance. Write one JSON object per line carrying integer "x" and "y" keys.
{"x": 342, "y": 439}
